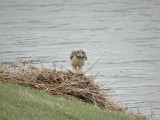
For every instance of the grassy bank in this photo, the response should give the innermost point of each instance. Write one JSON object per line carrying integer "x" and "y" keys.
{"x": 63, "y": 83}
{"x": 22, "y": 103}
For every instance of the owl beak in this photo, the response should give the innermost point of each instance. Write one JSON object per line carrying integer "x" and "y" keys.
{"x": 81, "y": 54}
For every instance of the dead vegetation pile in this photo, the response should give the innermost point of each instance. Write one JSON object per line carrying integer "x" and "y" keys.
{"x": 62, "y": 83}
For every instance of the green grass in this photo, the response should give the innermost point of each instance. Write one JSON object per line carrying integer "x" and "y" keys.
{"x": 21, "y": 103}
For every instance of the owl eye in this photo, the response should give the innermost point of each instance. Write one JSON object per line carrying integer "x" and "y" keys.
{"x": 82, "y": 52}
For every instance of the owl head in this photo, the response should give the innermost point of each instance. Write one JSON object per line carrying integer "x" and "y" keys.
{"x": 81, "y": 54}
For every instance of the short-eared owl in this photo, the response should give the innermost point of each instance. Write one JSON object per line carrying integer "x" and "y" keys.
{"x": 78, "y": 59}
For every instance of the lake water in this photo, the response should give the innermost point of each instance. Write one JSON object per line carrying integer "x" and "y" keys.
{"x": 128, "y": 30}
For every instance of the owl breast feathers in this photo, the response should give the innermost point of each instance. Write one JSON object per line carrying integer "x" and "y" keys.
{"x": 78, "y": 59}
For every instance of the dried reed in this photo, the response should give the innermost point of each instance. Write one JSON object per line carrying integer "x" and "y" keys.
{"x": 62, "y": 83}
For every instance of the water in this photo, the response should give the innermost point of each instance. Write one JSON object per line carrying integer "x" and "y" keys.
{"x": 129, "y": 30}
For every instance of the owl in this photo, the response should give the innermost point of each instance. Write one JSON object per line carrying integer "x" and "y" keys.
{"x": 78, "y": 59}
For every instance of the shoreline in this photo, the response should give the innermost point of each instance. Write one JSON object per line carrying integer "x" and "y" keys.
{"x": 65, "y": 84}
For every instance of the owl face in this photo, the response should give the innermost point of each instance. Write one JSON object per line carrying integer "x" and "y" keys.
{"x": 80, "y": 54}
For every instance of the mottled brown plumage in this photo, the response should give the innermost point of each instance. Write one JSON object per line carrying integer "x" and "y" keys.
{"x": 78, "y": 59}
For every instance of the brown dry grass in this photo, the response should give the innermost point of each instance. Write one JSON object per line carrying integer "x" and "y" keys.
{"x": 62, "y": 83}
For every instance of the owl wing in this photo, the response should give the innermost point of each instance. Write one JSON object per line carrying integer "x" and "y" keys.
{"x": 85, "y": 56}
{"x": 73, "y": 53}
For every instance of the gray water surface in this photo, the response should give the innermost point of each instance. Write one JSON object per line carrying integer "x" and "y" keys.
{"x": 129, "y": 30}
